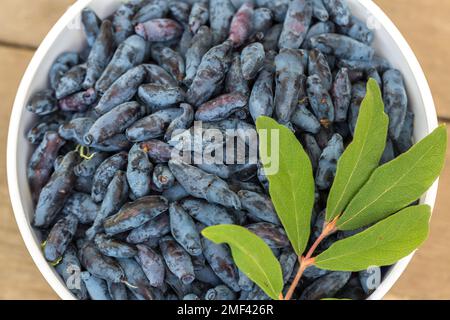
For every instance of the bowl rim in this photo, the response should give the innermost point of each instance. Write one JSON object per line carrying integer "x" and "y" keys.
{"x": 25, "y": 228}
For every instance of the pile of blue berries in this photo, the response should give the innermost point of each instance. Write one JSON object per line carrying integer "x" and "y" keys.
{"x": 114, "y": 206}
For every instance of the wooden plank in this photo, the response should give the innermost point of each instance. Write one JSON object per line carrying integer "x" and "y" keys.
{"x": 424, "y": 23}
{"x": 19, "y": 277}
{"x": 27, "y": 22}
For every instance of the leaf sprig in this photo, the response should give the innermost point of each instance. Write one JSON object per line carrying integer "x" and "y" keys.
{"x": 362, "y": 194}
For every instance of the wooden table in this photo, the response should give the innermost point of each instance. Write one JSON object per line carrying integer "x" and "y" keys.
{"x": 424, "y": 23}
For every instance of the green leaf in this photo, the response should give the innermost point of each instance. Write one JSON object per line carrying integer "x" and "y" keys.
{"x": 363, "y": 155}
{"x": 398, "y": 183}
{"x": 382, "y": 244}
{"x": 252, "y": 256}
{"x": 291, "y": 181}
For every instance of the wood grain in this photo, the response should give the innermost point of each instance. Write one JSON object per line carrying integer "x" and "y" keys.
{"x": 26, "y": 22}
{"x": 19, "y": 277}
{"x": 425, "y": 25}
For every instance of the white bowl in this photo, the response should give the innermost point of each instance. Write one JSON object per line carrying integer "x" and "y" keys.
{"x": 67, "y": 35}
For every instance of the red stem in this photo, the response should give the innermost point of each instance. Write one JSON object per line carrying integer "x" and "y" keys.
{"x": 307, "y": 261}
